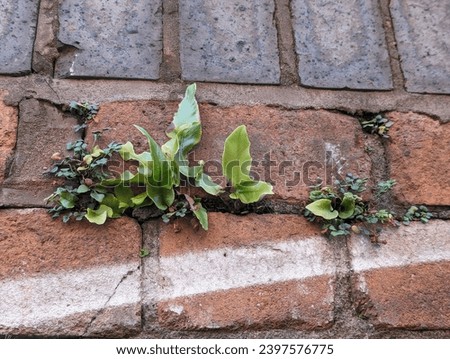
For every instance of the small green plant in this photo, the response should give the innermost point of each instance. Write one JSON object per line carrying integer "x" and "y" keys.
{"x": 341, "y": 210}
{"x": 84, "y": 111}
{"x": 385, "y": 186}
{"x": 84, "y": 172}
{"x": 158, "y": 175}
{"x": 377, "y": 125}
{"x": 144, "y": 252}
{"x": 415, "y": 213}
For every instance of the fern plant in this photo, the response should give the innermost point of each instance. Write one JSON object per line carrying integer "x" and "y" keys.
{"x": 160, "y": 172}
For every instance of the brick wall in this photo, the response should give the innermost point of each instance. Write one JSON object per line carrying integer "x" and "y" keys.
{"x": 298, "y": 73}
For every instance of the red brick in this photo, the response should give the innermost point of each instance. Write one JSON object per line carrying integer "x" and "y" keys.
{"x": 227, "y": 230}
{"x": 32, "y": 242}
{"x": 74, "y": 279}
{"x": 305, "y": 304}
{"x": 297, "y": 137}
{"x": 254, "y": 271}
{"x": 404, "y": 284}
{"x": 42, "y": 131}
{"x": 8, "y": 125}
{"x": 418, "y": 154}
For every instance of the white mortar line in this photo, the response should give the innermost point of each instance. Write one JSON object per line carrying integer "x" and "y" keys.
{"x": 227, "y": 268}
{"x": 38, "y": 300}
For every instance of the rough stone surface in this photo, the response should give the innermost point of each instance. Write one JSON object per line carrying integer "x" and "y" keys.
{"x": 68, "y": 279}
{"x": 8, "y": 132}
{"x": 229, "y": 41}
{"x": 110, "y": 40}
{"x": 301, "y": 145}
{"x": 45, "y": 45}
{"x": 418, "y": 155}
{"x": 421, "y": 31}
{"x": 42, "y": 131}
{"x": 273, "y": 271}
{"x": 341, "y": 44}
{"x": 404, "y": 284}
{"x": 17, "y": 29}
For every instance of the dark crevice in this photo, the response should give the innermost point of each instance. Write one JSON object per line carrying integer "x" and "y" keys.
{"x": 35, "y": 34}
{"x": 286, "y": 43}
{"x": 170, "y": 68}
{"x": 398, "y": 76}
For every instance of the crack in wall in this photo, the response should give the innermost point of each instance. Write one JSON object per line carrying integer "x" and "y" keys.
{"x": 105, "y": 305}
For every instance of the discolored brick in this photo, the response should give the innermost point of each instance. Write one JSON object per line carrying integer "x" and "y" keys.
{"x": 68, "y": 279}
{"x": 404, "y": 284}
{"x": 254, "y": 271}
{"x": 43, "y": 130}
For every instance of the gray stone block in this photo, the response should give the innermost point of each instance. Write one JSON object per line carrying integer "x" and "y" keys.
{"x": 229, "y": 41}
{"x": 108, "y": 39}
{"x": 422, "y": 31}
{"x": 18, "y": 20}
{"x": 341, "y": 44}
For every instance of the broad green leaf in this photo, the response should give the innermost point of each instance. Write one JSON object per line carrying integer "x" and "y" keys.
{"x": 204, "y": 181}
{"x": 139, "y": 199}
{"x": 67, "y": 199}
{"x": 117, "y": 207}
{"x": 251, "y": 191}
{"x": 201, "y": 214}
{"x": 322, "y": 208}
{"x": 161, "y": 197}
{"x": 170, "y": 148}
{"x": 347, "y": 206}
{"x": 98, "y": 216}
{"x": 83, "y": 189}
{"x": 127, "y": 153}
{"x": 161, "y": 167}
{"x": 188, "y": 137}
{"x": 236, "y": 159}
{"x": 124, "y": 194}
{"x": 188, "y": 109}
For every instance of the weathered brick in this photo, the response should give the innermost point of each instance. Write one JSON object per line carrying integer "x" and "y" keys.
{"x": 404, "y": 284}
{"x": 110, "y": 40}
{"x": 421, "y": 31}
{"x": 68, "y": 279}
{"x": 418, "y": 155}
{"x": 42, "y": 131}
{"x": 8, "y": 125}
{"x": 17, "y": 29}
{"x": 229, "y": 41}
{"x": 341, "y": 44}
{"x": 301, "y": 145}
{"x": 257, "y": 271}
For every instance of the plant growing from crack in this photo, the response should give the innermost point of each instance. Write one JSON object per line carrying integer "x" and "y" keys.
{"x": 341, "y": 210}
{"x": 158, "y": 175}
{"x": 378, "y": 125}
